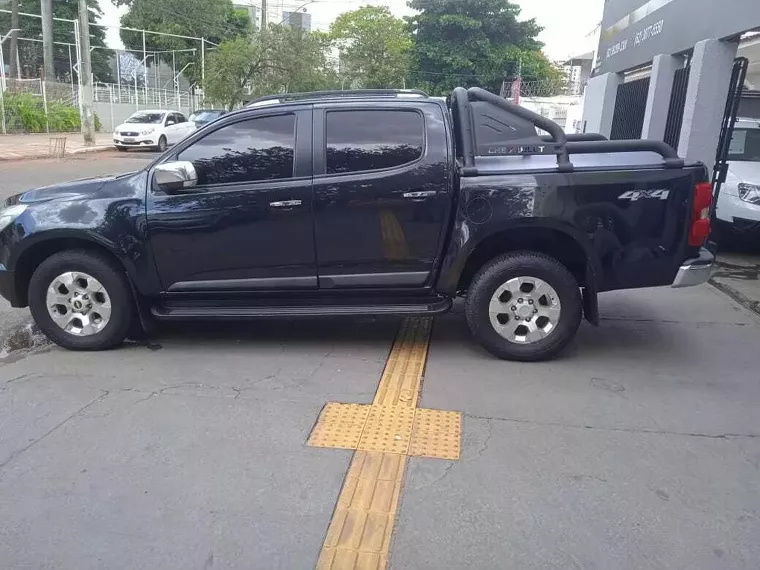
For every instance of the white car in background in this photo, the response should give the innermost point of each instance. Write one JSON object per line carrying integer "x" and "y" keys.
{"x": 738, "y": 207}
{"x": 152, "y": 129}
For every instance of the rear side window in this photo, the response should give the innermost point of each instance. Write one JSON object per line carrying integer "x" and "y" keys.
{"x": 247, "y": 151}
{"x": 358, "y": 141}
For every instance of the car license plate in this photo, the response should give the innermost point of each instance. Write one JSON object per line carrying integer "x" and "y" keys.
{"x": 129, "y": 139}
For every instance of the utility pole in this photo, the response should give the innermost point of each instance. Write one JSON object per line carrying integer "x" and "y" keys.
{"x": 15, "y": 71}
{"x": 85, "y": 74}
{"x": 263, "y": 15}
{"x": 46, "y": 7}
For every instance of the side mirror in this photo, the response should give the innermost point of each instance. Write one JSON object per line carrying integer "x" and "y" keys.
{"x": 175, "y": 177}
{"x": 170, "y": 122}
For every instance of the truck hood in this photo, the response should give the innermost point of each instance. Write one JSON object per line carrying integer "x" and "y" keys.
{"x": 745, "y": 171}
{"x": 64, "y": 191}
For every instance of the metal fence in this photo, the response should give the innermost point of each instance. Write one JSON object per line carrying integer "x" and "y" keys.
{"x": 676, "y": 107}
{"x": 630, "y": 106}
{"x": 123, "y": 80}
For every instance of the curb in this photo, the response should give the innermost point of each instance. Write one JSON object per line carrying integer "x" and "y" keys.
{"x": 737, "y": 296}
{"x": 86, "y": 149}
{"x": 83, "y": 150}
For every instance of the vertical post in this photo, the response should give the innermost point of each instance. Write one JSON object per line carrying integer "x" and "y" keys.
{"x": 137, "y": 95}
{"x": 203, "y": 65}
{"x": 78, "y": 68}
{"x": 2, "y": 65}
{"x": 263, "y": 15}
{"x": 85, "y": 74}
{"x": 118, "y": 73}
{"x": 14, "y": 40}
{"x": 2, "y": 110}
{"x": 145, "y": 69}
{"x": 47, "y": 38}
{"x": 71, "y": 75}
{"x": 45, "y": 105}
{"x": 110, "y": 100}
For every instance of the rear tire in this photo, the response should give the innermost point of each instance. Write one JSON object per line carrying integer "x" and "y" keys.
{"x": 81, "y": 300}
{"x": 543, "y": 286}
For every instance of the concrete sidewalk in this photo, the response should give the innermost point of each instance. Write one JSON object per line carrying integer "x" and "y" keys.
{"x": 41, "y": 145}
{"x": 738, "y": 275}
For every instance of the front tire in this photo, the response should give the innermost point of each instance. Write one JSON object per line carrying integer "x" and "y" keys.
{"x": 81, "y": 300}
{"x": 524, "y": 306}
{"x": 162, "y": 144}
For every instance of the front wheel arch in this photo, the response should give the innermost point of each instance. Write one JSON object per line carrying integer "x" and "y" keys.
{"x": 34, "y": 255}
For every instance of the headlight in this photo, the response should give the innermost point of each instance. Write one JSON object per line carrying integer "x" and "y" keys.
{"x": 147, "y": 131}
{"x": 7, "y": 215}
{"x": 749, "y": 193}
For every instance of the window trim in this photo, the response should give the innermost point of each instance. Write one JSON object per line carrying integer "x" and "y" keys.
{"x": 329, "y": 110}
{"x": 224, "y": 185}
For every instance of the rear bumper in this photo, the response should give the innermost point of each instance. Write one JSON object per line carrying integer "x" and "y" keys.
{"x": 695, "y": 271}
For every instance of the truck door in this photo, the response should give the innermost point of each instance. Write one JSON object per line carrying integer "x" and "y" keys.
{"x": 381, "y": 193}
{"x": 247, "y": 225}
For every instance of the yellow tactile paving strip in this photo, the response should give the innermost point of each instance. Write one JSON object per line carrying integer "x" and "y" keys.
{"x": 388, "y": 429}
{"x": 359, "y": 535}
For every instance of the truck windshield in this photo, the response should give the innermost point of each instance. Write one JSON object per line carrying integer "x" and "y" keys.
{"x": 146, "y": 118}
{"x": 745, "y": 145}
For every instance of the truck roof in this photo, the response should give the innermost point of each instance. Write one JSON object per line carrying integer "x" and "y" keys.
{"x": 333, "y": 96}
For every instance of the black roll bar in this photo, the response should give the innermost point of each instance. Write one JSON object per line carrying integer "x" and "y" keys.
{"x": 557, "y": 134}
{"x": 461, "y": 101}
{"x": 670, "y": 157}
{"x": 577, "y": 137}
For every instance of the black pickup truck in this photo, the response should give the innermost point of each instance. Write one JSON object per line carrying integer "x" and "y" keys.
{"x": 362, "y": 203}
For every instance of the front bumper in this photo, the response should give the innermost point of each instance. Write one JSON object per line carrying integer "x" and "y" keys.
{"x": 8, "y": 287}
{"x": 695, "y": 271}
{"x": 149, "y": 140}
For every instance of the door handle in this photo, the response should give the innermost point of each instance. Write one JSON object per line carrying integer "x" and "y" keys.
{"x": 419, "y": 195}
{"x": 285, "y": 204}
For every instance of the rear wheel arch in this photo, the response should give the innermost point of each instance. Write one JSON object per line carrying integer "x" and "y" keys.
{"x": 573, "y": 251}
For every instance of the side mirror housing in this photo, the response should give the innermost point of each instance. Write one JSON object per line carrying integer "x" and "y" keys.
{"x": 170, "y": 123}
{"x": 175, "y": 177}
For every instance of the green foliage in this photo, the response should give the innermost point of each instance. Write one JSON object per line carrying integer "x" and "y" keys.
{"x": 282, "y": 59}
{"x": 31, "y": 55}
{"x": 474, "y": 42}
{"x": 214, "y": 20}
{"x": 374, "y": 47}
{"x": 27, "y": 112}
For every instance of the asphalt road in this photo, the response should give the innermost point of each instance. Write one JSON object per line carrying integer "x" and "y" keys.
{"x": 639, "y": 449}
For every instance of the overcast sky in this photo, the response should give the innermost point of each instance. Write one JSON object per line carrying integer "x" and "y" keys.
{"x": 568, "y": 25}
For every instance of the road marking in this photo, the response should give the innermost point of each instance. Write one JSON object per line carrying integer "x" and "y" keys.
{"x": 383, "y": 434}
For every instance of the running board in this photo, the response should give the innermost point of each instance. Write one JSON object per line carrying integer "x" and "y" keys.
{"x": 207, "y": 312}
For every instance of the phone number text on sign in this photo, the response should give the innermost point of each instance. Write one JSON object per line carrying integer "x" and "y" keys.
{"x": 648, "y": 32}
{"x": 617, "y": 48}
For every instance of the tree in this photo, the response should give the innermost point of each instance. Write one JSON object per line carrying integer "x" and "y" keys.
{"x": 230, "y": 69}
{"x": 374, "y": 47}
{"x": 30, "y": 52}
{"x": 214, "y": 20}
{"x": 474, "y": 43}
{"x": 282, "y": 59}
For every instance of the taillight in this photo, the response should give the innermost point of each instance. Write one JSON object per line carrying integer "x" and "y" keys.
{"x": 700, "y": 214}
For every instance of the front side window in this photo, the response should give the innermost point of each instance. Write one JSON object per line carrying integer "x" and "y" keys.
{"x": 247, "y": 151}
{"x": 745, "y": 145}
{"x": 180, "y": 118}
{"x": 146, "y": 118}
{"x": 372, "y": 140}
